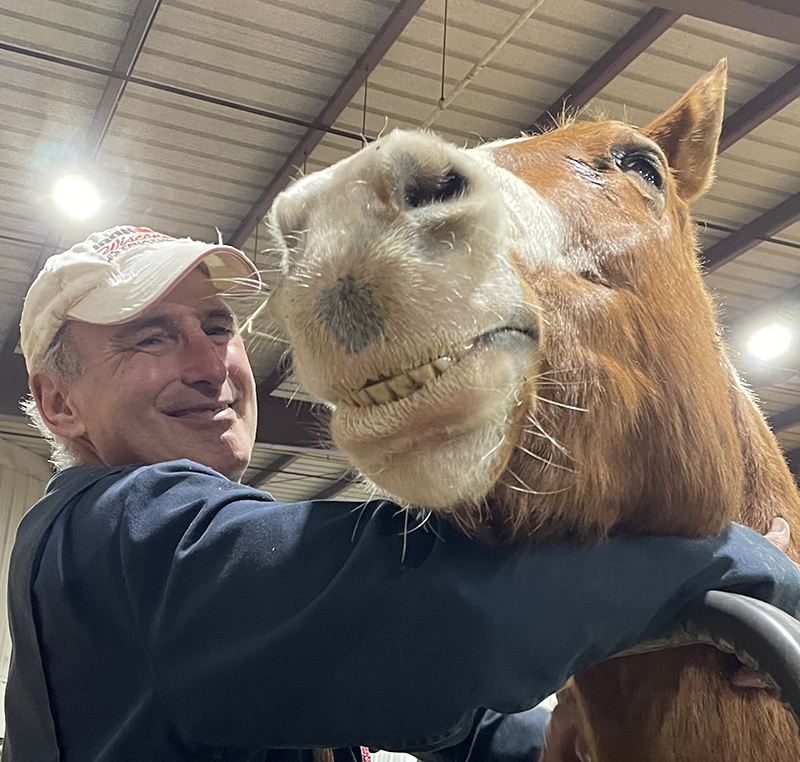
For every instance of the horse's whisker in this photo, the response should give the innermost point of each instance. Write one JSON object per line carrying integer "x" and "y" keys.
{"x": 545, "y": 460}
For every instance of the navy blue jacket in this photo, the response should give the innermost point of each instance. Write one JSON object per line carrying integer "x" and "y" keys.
{"x": 166, "y": 613}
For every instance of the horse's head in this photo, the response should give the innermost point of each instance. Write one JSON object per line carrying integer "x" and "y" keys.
{"x": 524, "y": 321}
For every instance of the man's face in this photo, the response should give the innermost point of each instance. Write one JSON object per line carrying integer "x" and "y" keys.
{"x": 175, "y": 382}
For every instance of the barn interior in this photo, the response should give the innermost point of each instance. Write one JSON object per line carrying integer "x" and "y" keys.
{"x": 189, "y": 118}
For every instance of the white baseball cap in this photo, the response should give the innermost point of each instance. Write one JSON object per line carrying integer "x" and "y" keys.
{"x": 113, "y": 276}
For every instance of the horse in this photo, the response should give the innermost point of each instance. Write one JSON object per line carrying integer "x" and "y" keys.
{"x": 517, "y": 337}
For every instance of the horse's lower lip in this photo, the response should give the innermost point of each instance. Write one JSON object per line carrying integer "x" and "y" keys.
{"x": 404, "y": 385}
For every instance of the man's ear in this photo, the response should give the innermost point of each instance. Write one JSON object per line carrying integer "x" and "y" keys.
{"x": 53, "y": 400}
{"x": 688, "y": 132}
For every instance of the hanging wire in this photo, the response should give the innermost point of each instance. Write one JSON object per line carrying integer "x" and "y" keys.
{"x": 364, "y": 111}
{"x": 444, "y": 53}
{"x": 480, "y": 65}
{"x": 255, "y": 245}
{"x": 305, "y": 160}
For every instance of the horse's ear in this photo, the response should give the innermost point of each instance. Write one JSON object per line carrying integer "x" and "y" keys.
{"x": 688, "y": 132}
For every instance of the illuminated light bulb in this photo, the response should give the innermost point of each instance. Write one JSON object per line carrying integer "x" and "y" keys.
{"x": 76, "y": 196}
{"x": 770, "y": 342}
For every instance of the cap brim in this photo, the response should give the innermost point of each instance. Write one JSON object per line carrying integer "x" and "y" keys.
{"x": 155, "y": 273}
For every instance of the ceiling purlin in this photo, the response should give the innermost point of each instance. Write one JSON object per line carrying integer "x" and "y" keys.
{"x": 380, "y": 44}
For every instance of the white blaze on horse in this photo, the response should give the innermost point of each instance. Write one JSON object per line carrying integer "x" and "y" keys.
{"x": 518, "y": 337}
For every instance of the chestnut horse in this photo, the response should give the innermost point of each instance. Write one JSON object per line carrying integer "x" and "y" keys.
{"x": 517, "y": 336}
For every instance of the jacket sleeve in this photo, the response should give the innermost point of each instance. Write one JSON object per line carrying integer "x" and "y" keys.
{"x": 324, "y": 624}
{"x": 498, "y": 737}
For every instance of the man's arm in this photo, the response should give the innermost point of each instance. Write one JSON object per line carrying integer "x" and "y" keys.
{"x": 498, "y": 738}
{"x": 295, "y": 625}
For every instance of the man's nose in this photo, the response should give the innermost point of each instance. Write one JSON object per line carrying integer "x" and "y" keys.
{"x": 203, "y": 361}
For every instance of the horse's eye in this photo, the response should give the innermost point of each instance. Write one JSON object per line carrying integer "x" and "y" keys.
{"x": 644, "y": 166}
{"x": 431, "y": 190}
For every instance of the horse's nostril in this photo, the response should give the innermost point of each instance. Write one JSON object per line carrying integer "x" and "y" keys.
{"x": 424, "y": 191}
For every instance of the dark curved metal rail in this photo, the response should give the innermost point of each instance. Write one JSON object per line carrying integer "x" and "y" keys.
{"x": 760, "y": 635}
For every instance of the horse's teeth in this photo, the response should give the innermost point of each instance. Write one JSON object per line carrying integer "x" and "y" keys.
{"x": 423, "y": 374}
{"x": 364, "y": 399}
{"x": 442, "y": 364}
{"x": 402, "y": 385}
{"x": 381, "y": 393}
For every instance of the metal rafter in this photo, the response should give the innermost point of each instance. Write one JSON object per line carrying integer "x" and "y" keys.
{"x": 376, "y": 50}
{"x": 290, "y": 423}
{"x": 785, "y": 419}
{"x": 273, "y": 380}
{"x": 756, "y": 111}
{"x": 768, "y": 224}
{"x": 333, "y": 489}
{"x": 632, "y": 44}
{"x": 793, "y": 459}
{"x": 766, "y": 104}
{"x": 779, "y": 19}
{"x": 789, "y": 300}
{"x": 261, "y": 477}
{"x": 129, "y": 51}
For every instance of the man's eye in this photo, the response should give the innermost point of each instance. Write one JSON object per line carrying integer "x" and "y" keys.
{"x": 219, "y": 330}
{"x": 150, "y": 341}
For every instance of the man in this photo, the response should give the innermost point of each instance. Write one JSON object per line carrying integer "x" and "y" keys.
{"x": 162, "y": 611}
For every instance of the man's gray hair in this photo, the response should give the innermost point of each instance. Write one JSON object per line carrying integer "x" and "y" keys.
{"x": 61, "y": 361}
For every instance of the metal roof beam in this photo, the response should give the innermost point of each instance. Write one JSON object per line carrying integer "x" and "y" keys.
{"x": 784, "y": 420}
{"x": 291, "y": 423}
{"x": 273, "y": 380}
{"x": 779, "y": 19}
{"x": 333, "y": 489}
{"x": 261, "y": 477}
{"x": 766, "y": 104}
{"x": 793, "y": 460}
{"x": 634, "y": 42}
{"x": 375, "y": 51}
{"x": 768, "y": 224}
{"x": 129, "y": 51}
{"x": 756, "y": 111}
{"x": 789, "y": 300}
